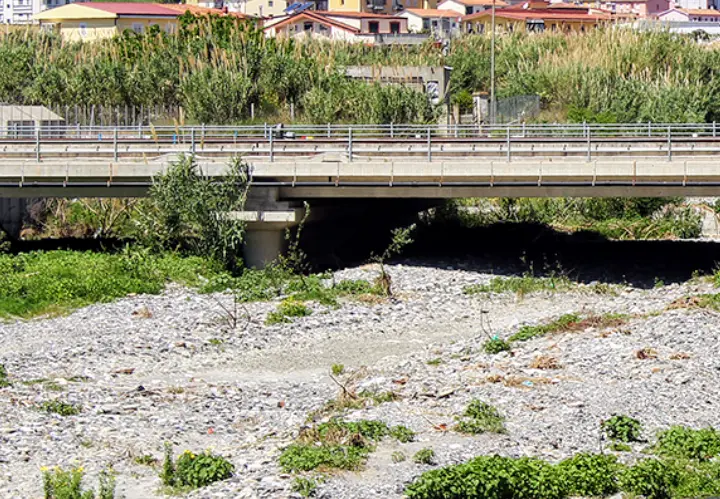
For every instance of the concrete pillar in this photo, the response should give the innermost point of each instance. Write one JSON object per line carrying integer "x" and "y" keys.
{"x": 12, "y": 213}
{"x": 263, "y": 246}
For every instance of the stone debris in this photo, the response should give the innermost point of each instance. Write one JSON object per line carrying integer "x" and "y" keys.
{"x": 182, "y": 375}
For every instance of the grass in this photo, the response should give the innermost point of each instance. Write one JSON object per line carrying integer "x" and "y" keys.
{"x": 56, "y": 282}
{"x": 522, "y": 285}
{"x": 4, "y": 380}
{"x": 481, "y": 417}
{"x": 61, "y": 408}
{"x": 287, "y": 310}
{"x": 568, "y": 323}
{"x": 424, "y": 456}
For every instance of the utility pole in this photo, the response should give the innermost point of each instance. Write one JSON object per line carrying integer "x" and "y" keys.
{"x": 492, "y": 67}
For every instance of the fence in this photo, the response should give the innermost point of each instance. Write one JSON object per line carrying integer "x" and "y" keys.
{"x": 102, "y": 116}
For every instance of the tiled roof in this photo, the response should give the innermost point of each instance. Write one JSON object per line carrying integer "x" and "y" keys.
{"x": 310, "y": 15}
{"x": 130, "y": 8}
{"x": 201, "y": 11}
{"x": 487, "y": 3}
{"x": 353, "y": 15}
{"x": 433, "y": 12}
{"x": 524, "y": 14}
{"x": 701, "y": 12}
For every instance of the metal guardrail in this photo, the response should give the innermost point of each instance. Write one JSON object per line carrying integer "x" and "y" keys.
{"x": 351, "y": 140}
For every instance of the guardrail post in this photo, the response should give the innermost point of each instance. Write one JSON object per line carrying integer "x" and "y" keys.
{"x": 37, "y": 143}
{"x": 392, "y": 130}
{"x": 350, "y": 144}
{"x": 429, "y": 145}
{"x": 115, "y": 144}
{"x": 329, "y": 130}
{"x": 508, "y": 144}
{"x": 272, "y": 151}
{"x": 192, "y": 140}
{"x": 714, "y": 130}
{"x": 649, "y": 129}
{"x": 669, "y": 143}
{"x": 589, "y": 146}
{"x": 202, "y": 136}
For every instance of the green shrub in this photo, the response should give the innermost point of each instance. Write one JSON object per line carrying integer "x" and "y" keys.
{"x": 651, "y": 478}
{"x": 590, "y": 474}
{"x": 435, "y": 362}
{"x": 287, "y": 309}
{"x": 490, "y": 477}
{"x": 687, "y": 443}
{"x": 529, "y": 332}
{"x": 619, "y": 447}
{"x": 496, "y": 345}
{"x": 308, "y": 457}
{"x": 402, "y": 434}
{"x": 62, "y": 484}
{"x": 337, "y": 369}
{"x": 356, "y": 287}
{"x": 306, "y": 487}
{"x": 481, "y": 417}
{"x": 61, "y": 408}
{"x": 523, "y": 285}
{"x": 398, "y": 456}
{"x": 4, "y": 381}
{"x": 424, "y": 456}
{"x": 622, "y": 428}
{"x": 194, "y": 470}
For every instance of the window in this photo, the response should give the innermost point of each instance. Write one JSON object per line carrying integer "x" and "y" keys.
{"x": 394, "y": 28}
{"x": 308, "y": 26}
{"x": 270, "y": 3}
{"x": 169, "y": 28}
{"x": 426, "y": 24}
{"x": 374, "y": 27}
{"x": 137, "y": 27}
{"x": 83, "y": 29}
{"x": 468, "y": 11}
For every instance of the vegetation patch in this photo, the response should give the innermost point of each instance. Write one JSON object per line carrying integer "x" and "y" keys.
{"x": 305, "y": 486}
{"x": 590, "y": 474}
{"x": 4, "y": 380}
{"x": 61, "y": 408}
{"x": 687, "y": 443}
{"x": 481, "y": 417}
{"x": 496, "y": 345}
{"x": 52, "y": 282}
{"x": 286, "y": 311}
{"x": 621, "y": 428}
{"x": 424, "y": 456}
{"x": 568, "y": 323}
{"x": 338, "y": 444}
{"x": 192, "y": 471}
{"x": 523, "y": 285}
{"x": 68, "y": 484}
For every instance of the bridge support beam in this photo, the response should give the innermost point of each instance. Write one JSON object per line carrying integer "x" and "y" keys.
{"x": 12, "y": 213}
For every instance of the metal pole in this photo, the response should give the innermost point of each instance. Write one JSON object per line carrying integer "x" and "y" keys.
{"x": 492, "y": 68}
{"x": 713, "y": 129}
{"x": 192, "y": 140}
{"x": 589, "y": 147}
{"x": 508, "y": 143}
{"x": 392, "y": 130}
{"x": 252, "y": 110}
{"x": 669, "y": 143}
{"x": 329, "y": 131}
{"x": 429, "y": 145}
{"x": 350, "y": 144}
{"x": 37, "y": 143}
{"x": 115, "y": 144}
{"x": 272, "y": 152}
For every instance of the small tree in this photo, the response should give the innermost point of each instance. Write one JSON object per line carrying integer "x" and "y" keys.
{"x": 189, "y": 211}
{"x": 401, "y": 237}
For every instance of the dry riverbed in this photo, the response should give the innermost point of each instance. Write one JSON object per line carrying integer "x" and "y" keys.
{"x": 152, "y": 369}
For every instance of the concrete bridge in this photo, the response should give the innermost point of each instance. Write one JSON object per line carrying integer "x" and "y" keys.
{"x": 339, "y": 166}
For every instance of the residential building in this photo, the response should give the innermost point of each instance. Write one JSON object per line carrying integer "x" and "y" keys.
{"x": 346, "y": 26}
{"x": 442, "y": 23}
{"x": 468, "y": 7}
{"x": 634, "y": 8}
{"x": 690, "y": 15}
{"x": 379, "y": 6}
{"x": 22, "y": 11}
{"x": 537, "y": 19}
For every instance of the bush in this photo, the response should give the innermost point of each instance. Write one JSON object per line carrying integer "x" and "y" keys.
{"x": 480, "y": 417}
{"x": 590, "y": 474}
{"x": 306, "y": 487}
{"x": 424, "y": 456}
{"x": 622, "y": 428}
{"x": 496, "y": 345}
{"x": 398, "y": 456}
{"x": 286, "y": 310}
{"x": 687, "y": 443}
{"x": 4, "y": 381}
{"x": 194, "y": 470}
{"x": 62, "y": 484}
{"x": 490, "y": 477}
{"x": 337, "y": 369}
{"x": 651, "y": 478}
{"x": 529, "y": 332}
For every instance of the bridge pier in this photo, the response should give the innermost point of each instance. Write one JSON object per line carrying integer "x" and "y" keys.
{"x": 12, "y": 213}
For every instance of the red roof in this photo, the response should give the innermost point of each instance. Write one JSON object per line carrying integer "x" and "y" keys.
{"x": 202, "y": 11}
{"x": 313, "y": 16}
{"x": 354, "y": 15}
{"x": 130, "y": 9}
{"x": 428, "y": 13}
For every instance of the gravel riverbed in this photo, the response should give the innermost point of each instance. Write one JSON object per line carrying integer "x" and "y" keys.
{"x": 153, "y": 369}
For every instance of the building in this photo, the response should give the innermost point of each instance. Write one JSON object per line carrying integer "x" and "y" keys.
{"x": 690, "y": 15}
{"x": 442, "y": 23}
{"x": 634, "y": 8}
{"x": 94, "y": 21}
{"x": 22, "y": 11}
{"x": 379, "y": 6}
{"x": 27, "y": 121}
{"x": 345, "y": 26}
{"x": 537, "y": 18}
{"x": 468, "y": 7}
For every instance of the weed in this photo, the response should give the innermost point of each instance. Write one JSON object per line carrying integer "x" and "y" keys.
{"x": 4, "y": 381}
{"x": 545, "y": 362}
{"x": 306, "y": 487}
{"x": 435, "y": 362}
{"x": 590, "y": 474}
{"x": 521, "y": 285}
{"x": 398, "y": 456}
{"x": 176, "y": 390}
{"x": 337, "y": 369}
{"x": 287, "y": 309}
{"x": 650, "y": 478}
{"x": 646, "y": 353}
{"x": 481, "y": 417}
{"x": 619, "y": 447}
{"x": 216, "y": 341}
{"x": 564, "y": 322}
{"x": 194, "y": 470}
{"x": 401, "y": 237}
{"x": 496, "y": 345}
{"x": 146, "y": 460}
{"x": 62, "y": 484}
{"x": 622, "y": 428}
{"x": 402, "y": 434}
{"x": 424, "y": 456}
{"x": 61, "y": 408}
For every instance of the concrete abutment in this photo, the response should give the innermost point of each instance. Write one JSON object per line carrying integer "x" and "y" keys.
{"x": 12, "y": 214}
